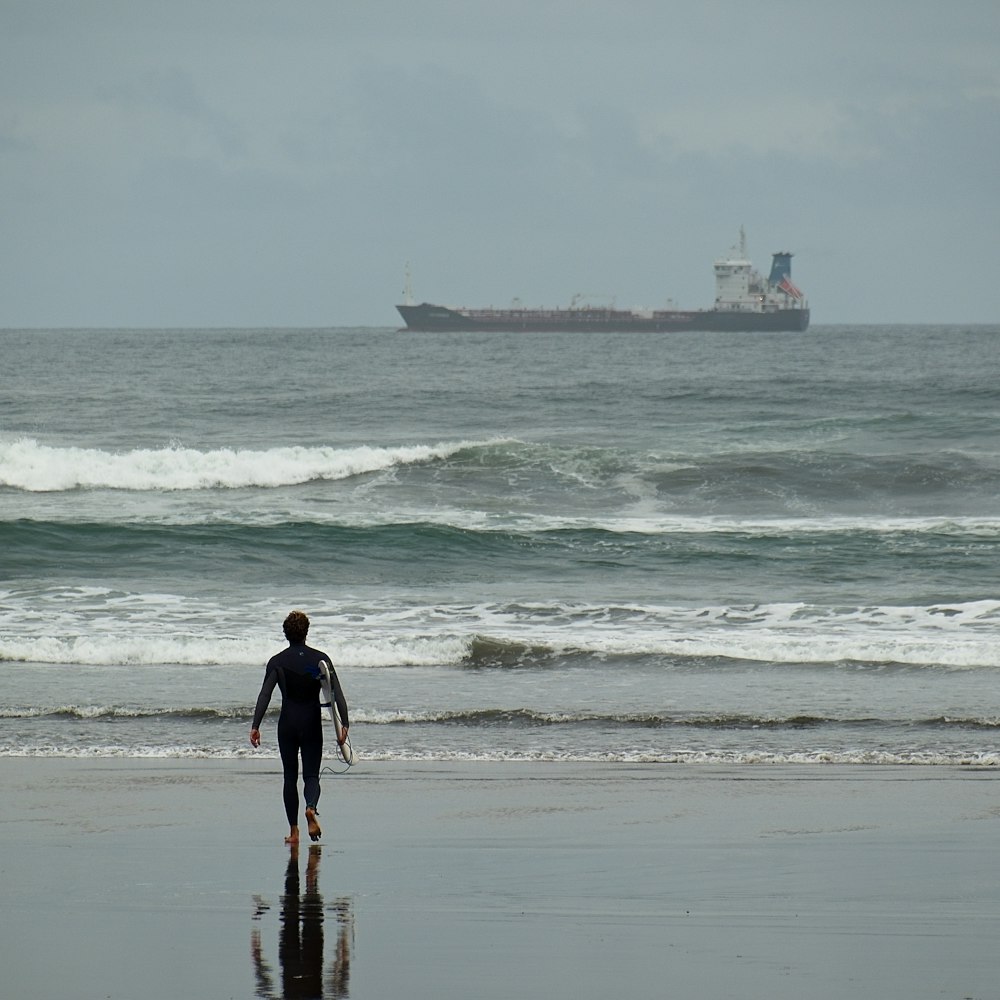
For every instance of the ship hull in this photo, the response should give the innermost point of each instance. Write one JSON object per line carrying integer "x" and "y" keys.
{"x": 431, "y": 318}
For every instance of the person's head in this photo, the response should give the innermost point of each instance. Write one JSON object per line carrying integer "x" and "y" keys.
{"x": 296, "y": 626}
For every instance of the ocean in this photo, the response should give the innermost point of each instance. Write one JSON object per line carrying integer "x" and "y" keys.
{"x": 748, "y": 549}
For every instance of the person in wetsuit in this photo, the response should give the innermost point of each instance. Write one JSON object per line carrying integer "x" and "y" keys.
{"x": 296, "y": 672}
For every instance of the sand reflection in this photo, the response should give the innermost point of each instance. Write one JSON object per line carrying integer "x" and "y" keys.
{"x": 304, "y": 970}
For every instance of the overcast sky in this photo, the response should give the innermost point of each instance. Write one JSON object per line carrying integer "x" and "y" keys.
{"x": 265, "y": 163}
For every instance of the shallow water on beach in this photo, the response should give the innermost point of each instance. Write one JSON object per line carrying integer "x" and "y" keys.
{"x": 747, "y": 548}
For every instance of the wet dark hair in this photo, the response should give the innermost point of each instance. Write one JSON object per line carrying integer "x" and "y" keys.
{"x": 296, "y": 626}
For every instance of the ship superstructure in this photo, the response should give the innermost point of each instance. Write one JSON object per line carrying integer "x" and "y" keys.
{"x": 739, "y": 288}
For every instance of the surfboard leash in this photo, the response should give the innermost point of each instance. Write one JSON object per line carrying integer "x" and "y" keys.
{"x": 347, "y": 764}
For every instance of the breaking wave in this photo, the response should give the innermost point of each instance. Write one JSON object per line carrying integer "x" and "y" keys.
{"x": 25, "y": 464}
{"x": 541, "y": 636}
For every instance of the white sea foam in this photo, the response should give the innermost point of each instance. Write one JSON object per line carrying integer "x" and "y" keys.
{"x": 26, "y": 464}
{"x": 758, "y": 758}
{"x": 962, "y": 635}
{"x": 154, "y": 649}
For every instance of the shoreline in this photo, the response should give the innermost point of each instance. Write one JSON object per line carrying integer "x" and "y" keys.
{"x": 451, "y": 879}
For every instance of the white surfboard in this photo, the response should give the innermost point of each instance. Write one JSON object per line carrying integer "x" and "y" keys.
{"x": 328, "y": 702}
{"x": 326, "y": 699}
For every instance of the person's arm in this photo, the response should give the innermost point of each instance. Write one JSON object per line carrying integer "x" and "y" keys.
{"x": 263, "y": 700}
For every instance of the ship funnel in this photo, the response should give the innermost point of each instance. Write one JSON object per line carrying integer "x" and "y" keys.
{"x": 781, "y": 275}
{"x": 781, "y": 267}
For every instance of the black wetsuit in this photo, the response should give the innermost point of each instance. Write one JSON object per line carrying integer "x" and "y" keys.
{"x": 296, "y": 672}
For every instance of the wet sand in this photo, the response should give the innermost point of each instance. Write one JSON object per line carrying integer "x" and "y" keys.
{"x": 156, "y": 879}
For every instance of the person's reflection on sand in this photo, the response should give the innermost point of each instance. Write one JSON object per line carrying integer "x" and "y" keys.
{"x": 300, "y": 940}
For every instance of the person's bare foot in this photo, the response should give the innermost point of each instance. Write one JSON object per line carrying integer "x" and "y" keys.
{"x": 293, "y": 835}
{"x": 314, "y": 828}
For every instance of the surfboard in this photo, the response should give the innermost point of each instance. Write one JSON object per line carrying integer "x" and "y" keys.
{"x": 328, "y": 702}
{"x": 326, "y": 699}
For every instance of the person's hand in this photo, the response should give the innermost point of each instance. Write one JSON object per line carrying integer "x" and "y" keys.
{"x": 255, "y": 737}
{"x": 341, "y": 734}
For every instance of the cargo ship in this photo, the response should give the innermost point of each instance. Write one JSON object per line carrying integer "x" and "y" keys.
{"x": 744, "y": 302}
